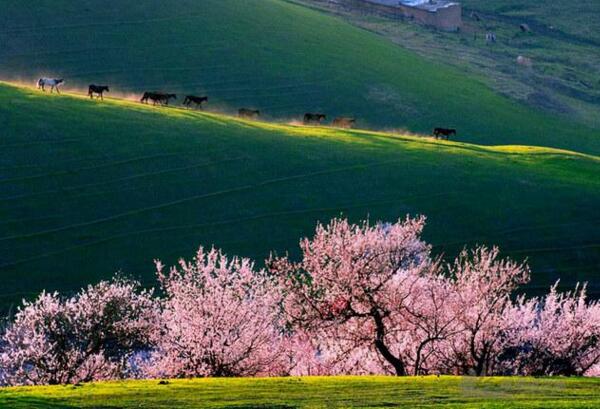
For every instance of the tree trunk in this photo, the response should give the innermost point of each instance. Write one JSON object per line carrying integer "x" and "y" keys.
{"x": 383, "y": 349}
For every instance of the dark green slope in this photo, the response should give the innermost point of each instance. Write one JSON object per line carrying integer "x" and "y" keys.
{"x": 268, "y": 54}
{"x": 90, "y": 188}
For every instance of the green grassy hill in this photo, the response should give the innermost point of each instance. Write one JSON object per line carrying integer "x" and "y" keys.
{"x": 89, "y": 188}
{"x": 279, "y": 57}
{"x": 563, "y": 45}
{"x": 576, "y": 19}
{"x": 315, "y": 392}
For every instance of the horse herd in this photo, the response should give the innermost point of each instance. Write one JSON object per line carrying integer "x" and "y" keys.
{"x": 193, "y": 100}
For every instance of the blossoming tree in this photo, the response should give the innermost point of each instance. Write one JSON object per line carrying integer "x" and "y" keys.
{"x": 362, "y": 299}
{"x": 90, "y": 336}
{"x": 351, "y": 287}
{"x": 218, "y": 319}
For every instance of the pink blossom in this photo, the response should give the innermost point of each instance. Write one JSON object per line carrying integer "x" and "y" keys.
{"x": 351, "y": 289}
{"x": 362, "y": 299}
{"x": 87, "y": 337}
{"x": 560, "y": 334}
{"x": 218, "y": 319}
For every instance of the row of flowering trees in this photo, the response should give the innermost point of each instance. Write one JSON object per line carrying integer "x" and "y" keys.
{"x": 363, "y": 299}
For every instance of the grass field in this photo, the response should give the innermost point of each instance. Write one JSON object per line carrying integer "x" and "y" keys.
{"x": 90, "y": 188}
{"x": 563, "y": 46}
{"x": 332, "y": 392}
{"x": 281, "y": 58}
{"x": 578, "y": 19}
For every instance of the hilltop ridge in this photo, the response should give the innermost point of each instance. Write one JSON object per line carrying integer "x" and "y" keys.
{"x": 272, "y": 55}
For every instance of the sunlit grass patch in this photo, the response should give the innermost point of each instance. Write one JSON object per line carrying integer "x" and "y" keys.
{"x": 315, "y": 392}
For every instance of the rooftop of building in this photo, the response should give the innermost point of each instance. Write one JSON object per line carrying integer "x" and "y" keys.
{"x": 429, "y": 5}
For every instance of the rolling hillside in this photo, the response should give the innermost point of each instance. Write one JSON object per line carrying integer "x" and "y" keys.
{"x": 90, "y": 188}
{"x": 563, "y": 46}
{"x": 270, "y": 54}
{"x": 577, "y": 20}
{"x": 315, "y": 392}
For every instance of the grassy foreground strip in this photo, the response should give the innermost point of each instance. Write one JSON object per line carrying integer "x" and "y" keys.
{"x": 315, "y": 392}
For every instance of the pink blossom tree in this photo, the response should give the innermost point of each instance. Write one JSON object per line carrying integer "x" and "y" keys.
{"x": 432, "y": 319}
{"x": 90, "y": 336}
{"x": 560, "y": 334}
{"x": 351, "y": 288}
{"x": 483, "y": 285}
{"x": 363, "y": 299}
{"x": 218, "y": 318}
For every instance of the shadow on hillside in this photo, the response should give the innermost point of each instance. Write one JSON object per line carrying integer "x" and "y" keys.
{"x": 48, "y": 403}
{"x": 27, "y": 402}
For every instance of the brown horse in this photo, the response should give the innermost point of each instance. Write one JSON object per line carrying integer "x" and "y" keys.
{"x": 157, "y": 97}
{"x": 342, "y": 122}
{"x": 248, "y": 113}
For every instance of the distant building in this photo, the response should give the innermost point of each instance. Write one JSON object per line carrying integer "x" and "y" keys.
{"x": 442, "y": 14}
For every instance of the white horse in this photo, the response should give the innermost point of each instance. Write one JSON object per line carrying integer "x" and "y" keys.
{"x": 51, "y": 82}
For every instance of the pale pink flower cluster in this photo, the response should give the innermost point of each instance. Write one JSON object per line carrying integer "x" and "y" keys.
{"x": 90, "y": 336}
{"x": 558, "y": 334}
{"x": 362, "y": 299}
{"x": 217, "y": 318}
{"x": 371, "y": 299}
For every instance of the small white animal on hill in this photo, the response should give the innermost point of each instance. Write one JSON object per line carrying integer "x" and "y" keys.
{"x": 51, "y": 82}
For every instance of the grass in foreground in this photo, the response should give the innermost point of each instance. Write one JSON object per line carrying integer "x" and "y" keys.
{"x": 314, "y": 392}
{"x": 90, "y": 188}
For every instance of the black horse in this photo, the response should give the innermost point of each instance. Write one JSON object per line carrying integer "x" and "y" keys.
{"x": 192, "y": 99}
{"x": 310, "y": 118}
{"x": 97, "y": 89}
{"x": 157, "y": 97}
{"x": 443, "y": 133}
{"x": 248, "y": 113}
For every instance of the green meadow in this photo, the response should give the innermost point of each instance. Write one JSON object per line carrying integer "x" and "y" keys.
{"x": 90, "y": 188}
{"x": 563, "y": 45}
{"x": 272, "y": 55}
{"x": 577, "y": 20}
{"x": 315, "y": 392}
